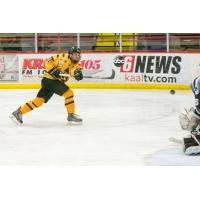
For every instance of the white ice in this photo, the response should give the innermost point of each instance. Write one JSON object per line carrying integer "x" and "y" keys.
{"x": 121, "y": 127}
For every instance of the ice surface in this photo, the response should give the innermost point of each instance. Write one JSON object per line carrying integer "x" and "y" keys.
{"x": 120, "y": 127}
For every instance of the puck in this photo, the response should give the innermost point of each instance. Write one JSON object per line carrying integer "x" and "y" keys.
{"x": 172, "y": 92}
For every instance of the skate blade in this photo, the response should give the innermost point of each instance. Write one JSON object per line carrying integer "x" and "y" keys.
{"x": 15, "y": 120}
{"x": 72, "y": 123}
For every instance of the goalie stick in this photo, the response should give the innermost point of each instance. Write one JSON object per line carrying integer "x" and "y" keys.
{"x": 179, "y": 141}
{"x": 176, "y": 140}
{"x": 194, "y": 137}
{"x": 192, "y": 150}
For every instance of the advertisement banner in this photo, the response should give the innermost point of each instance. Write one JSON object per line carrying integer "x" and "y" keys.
{"x": 32, "y": 67}
{"x": 130, "y": 68}
{"x": 149, "y": 68}
{"x": 152, "y": 68}
{"x": 9, "y": 70}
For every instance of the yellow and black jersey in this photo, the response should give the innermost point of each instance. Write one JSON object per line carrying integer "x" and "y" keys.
{"x": 62, "y": 63}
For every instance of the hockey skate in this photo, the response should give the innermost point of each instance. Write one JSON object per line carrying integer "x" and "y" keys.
{"x": 17, "y": 116}
{"x": 74, "y": 119}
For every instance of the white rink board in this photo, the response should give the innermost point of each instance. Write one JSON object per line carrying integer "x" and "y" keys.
{"x": 145, "y": 68}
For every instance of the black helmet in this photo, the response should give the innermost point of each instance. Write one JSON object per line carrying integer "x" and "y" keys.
{"x": 74, "y": 50}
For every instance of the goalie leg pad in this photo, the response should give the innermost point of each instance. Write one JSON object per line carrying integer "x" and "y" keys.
{"x": 190, "y": 146}
{"x": 184, "y": 121}
{"x": 193, "y": 150}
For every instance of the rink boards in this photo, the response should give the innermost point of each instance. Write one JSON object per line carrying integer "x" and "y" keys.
{"x": 107, "y": 70}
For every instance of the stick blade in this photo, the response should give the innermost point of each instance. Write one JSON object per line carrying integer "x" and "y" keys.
{"x": 176, "y": 140}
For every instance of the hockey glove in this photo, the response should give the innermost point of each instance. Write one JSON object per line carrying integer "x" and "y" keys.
{"x": 55, "y": 73}
{"x": 78, "y": 75}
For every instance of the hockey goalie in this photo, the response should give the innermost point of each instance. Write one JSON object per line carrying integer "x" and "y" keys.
{"x": 190, "y": 121}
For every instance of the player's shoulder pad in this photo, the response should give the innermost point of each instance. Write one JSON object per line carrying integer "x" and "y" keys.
{"x": 54, "y": 57}
{"x": 57, "y": 56}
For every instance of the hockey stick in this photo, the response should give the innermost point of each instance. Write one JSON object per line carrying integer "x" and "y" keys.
{"x": 176, "y": 140}
{"x": 112, "y": 76}
{"x": 194, "y": 137}
{"x": 179, "y": 141}
{"x": 67, "y": 75}
{"x": 92, "y": 72}
{"x": 193, "y": 150}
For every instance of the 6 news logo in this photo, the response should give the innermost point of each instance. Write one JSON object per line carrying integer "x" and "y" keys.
{"x": 148, "y": 64}
{"x": 126, "y": 63}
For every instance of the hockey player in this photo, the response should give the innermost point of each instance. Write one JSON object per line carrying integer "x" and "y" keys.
{"x": 190, "y": 121}
{"x": 57, "y": 70}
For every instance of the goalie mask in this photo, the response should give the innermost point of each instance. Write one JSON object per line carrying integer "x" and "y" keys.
{"x": 74, "y": 54}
